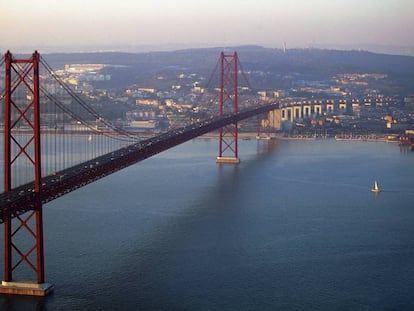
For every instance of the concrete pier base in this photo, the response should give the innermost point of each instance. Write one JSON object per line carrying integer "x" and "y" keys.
{"x": 227, "y": 160}
{"x": 25, "y": 288}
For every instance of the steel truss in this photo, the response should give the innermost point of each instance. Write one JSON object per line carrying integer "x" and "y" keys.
{"x": 22, "y": 77}
{"x": 228, "y": 139}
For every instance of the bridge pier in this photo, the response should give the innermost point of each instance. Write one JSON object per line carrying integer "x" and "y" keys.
{"x": 31, "y": 255}
{"x": 25, "y": 288}
{"x": 227, "y": 160}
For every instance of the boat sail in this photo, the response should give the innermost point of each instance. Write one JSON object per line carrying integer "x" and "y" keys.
{"x": 375, "y": 187}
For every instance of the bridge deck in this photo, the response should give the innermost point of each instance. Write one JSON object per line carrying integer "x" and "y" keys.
{"x": 23, "y": 198}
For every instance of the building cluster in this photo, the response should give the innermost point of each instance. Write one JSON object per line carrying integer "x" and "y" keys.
{"x": 348, "y": 101}
{"x": 368, "y": 114}
{"x": 80, "y": 76}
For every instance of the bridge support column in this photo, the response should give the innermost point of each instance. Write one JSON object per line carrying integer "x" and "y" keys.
{"x": 23, "y": 244}
{"x": 228, "y": 137}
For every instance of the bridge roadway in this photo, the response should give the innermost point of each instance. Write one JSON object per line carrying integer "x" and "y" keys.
{"x": 23, "y": 198}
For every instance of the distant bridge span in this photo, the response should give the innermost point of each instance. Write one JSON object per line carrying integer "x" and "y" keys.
{"x": 23, "y": 198}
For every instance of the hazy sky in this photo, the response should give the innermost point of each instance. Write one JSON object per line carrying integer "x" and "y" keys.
{"x": 96, "y": 24}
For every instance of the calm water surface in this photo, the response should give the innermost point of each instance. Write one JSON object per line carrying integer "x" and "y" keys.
{"x": 293, "y": 227}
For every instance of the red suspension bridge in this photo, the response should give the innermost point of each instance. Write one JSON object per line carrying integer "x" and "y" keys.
{"x": 44, "y": 158}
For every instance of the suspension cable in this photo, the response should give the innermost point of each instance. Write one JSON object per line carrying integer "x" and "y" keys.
{"x": 244, "y": 75}
{"x": 213, "y": 74}
{"x": 83, "y": 103}
{"x": 76, "y": 117}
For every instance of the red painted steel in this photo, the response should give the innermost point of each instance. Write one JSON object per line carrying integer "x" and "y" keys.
{"x": 228, "y": 135}
{"x": 6, "y": 168}
{"x": 25, "y": 74}
{"x": 221, "y": 101}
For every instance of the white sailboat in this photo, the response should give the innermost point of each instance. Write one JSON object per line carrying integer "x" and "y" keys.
{"x": 375, "y": 187}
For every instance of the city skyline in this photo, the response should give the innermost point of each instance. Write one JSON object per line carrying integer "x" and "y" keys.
{"x": 125, "y": 25}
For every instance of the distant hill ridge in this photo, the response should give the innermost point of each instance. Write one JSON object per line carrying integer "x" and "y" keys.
{"x": 300, "y": 60}
{"x": 314, "y": 64}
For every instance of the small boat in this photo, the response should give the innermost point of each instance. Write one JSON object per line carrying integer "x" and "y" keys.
{"x": 375, "y": 187}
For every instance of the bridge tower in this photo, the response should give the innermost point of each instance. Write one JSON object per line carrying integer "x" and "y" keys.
{"x": 228, "y": 139}
{"x": 23, "y": 237}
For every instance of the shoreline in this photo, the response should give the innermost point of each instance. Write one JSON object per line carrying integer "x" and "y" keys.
{"x": 251, "y": 135}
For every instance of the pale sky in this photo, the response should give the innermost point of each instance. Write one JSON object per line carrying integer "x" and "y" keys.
{"x": 97, "y": 24}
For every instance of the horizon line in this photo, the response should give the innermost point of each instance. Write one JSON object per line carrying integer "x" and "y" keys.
{"x": 155, "y": 48}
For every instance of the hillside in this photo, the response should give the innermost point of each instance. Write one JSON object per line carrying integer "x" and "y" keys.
{"x": 314, "y": 64}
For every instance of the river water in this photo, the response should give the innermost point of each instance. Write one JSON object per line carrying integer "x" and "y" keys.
{"x": 294, "y": 226}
